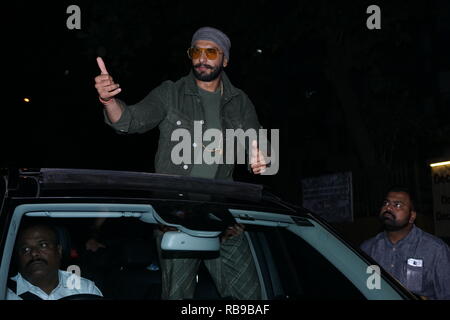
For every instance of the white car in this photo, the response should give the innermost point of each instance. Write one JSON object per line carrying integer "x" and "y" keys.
{"x": 297, "y": 255}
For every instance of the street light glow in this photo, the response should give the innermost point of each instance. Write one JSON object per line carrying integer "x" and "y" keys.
{"x": 438, "y": 164}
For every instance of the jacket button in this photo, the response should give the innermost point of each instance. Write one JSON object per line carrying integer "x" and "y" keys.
{"x": 178, "y": 122}
{"x": 185, "y": 167}
{"x": 194, "y": 145}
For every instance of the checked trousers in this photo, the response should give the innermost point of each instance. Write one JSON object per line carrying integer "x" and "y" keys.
{"x": 233, "y": 272}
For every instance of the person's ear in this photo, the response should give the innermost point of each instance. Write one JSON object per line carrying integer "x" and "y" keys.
{"x": 413, "y": 217}
{"x": 225, "y": 62}
{"x": 59, "y": 250}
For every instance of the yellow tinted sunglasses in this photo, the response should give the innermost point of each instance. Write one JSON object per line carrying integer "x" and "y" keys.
{"x": 211, "y": 53}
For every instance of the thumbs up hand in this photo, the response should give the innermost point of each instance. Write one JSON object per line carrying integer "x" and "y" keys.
{"x": 257, "y": 159}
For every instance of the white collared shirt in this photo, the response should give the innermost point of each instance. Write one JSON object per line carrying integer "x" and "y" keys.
{"x": 66, "y": 287}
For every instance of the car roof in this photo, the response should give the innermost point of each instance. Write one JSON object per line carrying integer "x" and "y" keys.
{"x": 88, "y": 183}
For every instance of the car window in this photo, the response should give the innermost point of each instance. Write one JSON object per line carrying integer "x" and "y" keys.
{"x": 302, "y": 272}
{"x": 126, "y": 267}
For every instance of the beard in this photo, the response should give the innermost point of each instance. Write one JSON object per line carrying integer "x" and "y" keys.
{"x": 391, "y": 223}
{"x": 203, "y": 76}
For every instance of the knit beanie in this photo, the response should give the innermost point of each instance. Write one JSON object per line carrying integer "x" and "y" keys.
{"x": 214, "y": 35}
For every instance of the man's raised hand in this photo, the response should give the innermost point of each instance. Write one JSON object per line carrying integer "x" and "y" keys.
{"x": 257, "y": 159}
{"x": 104, "y": 83}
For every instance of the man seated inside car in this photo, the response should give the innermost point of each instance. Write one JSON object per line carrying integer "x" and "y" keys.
{"x": 39, "y": 277}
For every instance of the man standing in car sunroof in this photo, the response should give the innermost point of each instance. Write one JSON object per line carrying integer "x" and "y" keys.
{"x": 204, "y": 96}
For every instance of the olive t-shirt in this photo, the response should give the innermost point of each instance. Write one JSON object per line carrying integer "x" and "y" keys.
{"x": 211, "y": 107}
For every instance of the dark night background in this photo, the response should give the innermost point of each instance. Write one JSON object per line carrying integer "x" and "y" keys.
{"x": 345, "y": 98}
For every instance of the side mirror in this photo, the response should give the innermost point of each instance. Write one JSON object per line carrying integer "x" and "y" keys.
{"x": 180, "y": 241}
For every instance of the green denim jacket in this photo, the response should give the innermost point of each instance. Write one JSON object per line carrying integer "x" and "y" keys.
{"x": 174, "y": 105}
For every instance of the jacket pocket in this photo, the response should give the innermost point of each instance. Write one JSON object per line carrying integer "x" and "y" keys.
{"x": 176, "y": 119}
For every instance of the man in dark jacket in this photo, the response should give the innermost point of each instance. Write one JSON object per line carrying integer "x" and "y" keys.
{"x": 206, "y": 97}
